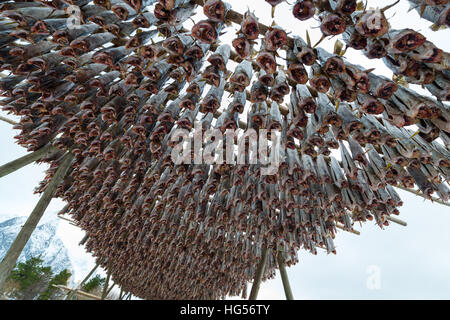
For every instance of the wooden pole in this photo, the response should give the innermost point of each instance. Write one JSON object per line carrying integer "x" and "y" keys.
{"x": 10, "y": 259}
{"x": 79, "y": 292}
{"x": 432, "y": 199}
{"x": 8, "y": 120}
{"x": 121, "y": 294}
{"x": 26, "y": 159}
{"x": 397, "y": 221}
{"x": 340, "y": 226}
{"x": 105, "y": 286}
{"x": 258, "y": 275}
{"x": 110, "y": 288}
{"x": 72, "y": 293}
{"x": 284, "y": 277}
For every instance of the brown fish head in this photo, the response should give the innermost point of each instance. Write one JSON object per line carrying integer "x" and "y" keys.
{"x": 40, "y": 28}
{"x": 357, "y": 41}
{"x": 194, "y": 52}
{"x": 346, "y": 7}
{"x": 372, "y": 106}
{"x": 161, "y": 13}
{"x": 204, "y": 31}
{"x": 297, "y": 72}
{"x": 406, "y": 41}
{"x": 242, "y": 47}
{"x": 149, "y": 52}
{"x": 217, "y": 61}
{"x": 140, "y": 22}
{"x": 240, "y": 78}
{"x": 334, "y": 66}
{"x": 275, "y": 39}
{"x": 114, "y": 29}
{"x": 386, "y": 90}
{"x": 332, "y": 25}
{"x": 249, "y": 26}
{"x": 120, "y": 11}
{"x": 267, "y": 61}
{"x": 377, "y": 49}
{"x": 304, "y": 9}
{"x": 321, "y": 83}
{"x": 372, "y": 24}
{"x": 214, "y": 10}
{"x": 174, "y": 46}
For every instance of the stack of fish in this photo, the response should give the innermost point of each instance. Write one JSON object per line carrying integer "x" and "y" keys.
{"x": 111, "y": 81}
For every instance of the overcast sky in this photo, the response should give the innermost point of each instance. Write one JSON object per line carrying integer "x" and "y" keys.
{"x": 410, "y": 262}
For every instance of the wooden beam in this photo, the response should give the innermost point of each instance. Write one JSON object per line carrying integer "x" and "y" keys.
{"x": 284, "y": 277}
{"x": 8, "y": 120}
{"x": 105, "y": 286}
{"x": 110, "y": 288}
{"x": 432, "y": 199}
{"x": 397, "y": 221}
{"x": 340, "y": 226}
{"x": 70, "y": 295}
{"x": 78, "y": 292}
{"x": 259, "y": 275}
{"x": 26, "y": 159}
{"x": 10, "y": 259}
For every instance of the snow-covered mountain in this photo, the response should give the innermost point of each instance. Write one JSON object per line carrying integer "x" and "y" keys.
{"x": 44, "y": 241}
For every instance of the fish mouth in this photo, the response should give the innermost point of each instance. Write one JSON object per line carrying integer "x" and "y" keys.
{"x": 141, "y": 22}
{"x": 174, "y": 46}
{"x": 376, "y": 51}
{"x": 120, "y": 11}
{"x": 409, "y": 41}
{"x": 362, "y": 84}
{"x": 217, "y": 61}
{"x": 357, "y": 41}
{"x": 80, "y": 45}
{"x": 194, "y": 52}
{"x": 304, "y": 10}
{"x": 321, "y": 84}
{"x": 267, "y": 80}
{"x": 267, "y": 62}
{"x": 373, "y": 107}
{"x": 258, "y": 96}
{"x": 307, "y": 56}
{"x": 334, "y": 66}
{"x": 242, "y": 47}
{"x": 333, "y": 25}
{"x": 372, "y": 24}
{"x": 205, "y": 32}
{"x": 387, "y": 90}
{"x": 237, "y": 107}
{"x": 215, "y": 10}
{"x": 346, "y": 95}
{"x": 193, "y": 88}
{"x": 240, "y": 79}
{"x": 347, "y": 6}
{"x": 187, "y": 104}
{"x": 308, "y": 105}
{"x": 298, "y": 73}
{"x": 250, "y": 29}
{"x": 161, "y": 13}
{"x": 148, "y": 52}
{"x": 276, "y": 39}
{"x": 40, "y": 28}
{"x": 153, "y": 74}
